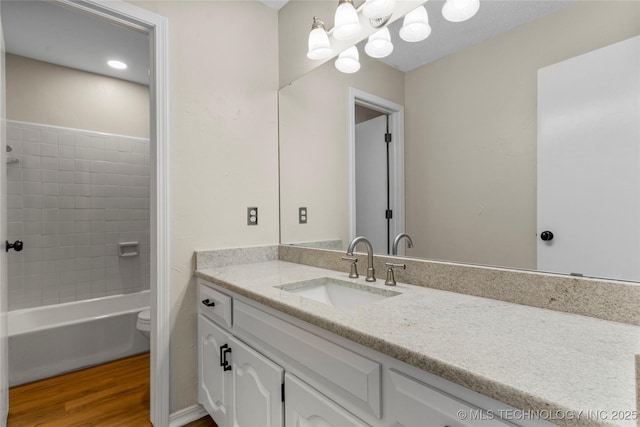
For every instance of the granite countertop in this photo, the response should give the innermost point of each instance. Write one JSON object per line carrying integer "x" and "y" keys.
{"x": 530, "y": 358}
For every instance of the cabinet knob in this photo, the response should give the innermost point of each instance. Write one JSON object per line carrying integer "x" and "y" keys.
{"x": 546, "y": 236}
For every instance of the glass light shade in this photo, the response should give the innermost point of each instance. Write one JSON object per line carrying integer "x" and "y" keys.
{"x": 346, "y": 22}
{"x": 348, "y": 61}
{"x": 379, "y": 44}
{"x": 415, "y": 26}
{"x": 460, "y": 10}
{"x": 378, "y": 8}
{"x": 319, "y": 45}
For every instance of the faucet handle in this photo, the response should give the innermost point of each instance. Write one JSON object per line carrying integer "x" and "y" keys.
{"x": 353, "y": 274}
{"x": 391, "y": 279}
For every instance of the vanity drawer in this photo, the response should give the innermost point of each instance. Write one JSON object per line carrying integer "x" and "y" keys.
{"x": 335, "y": 370}
{"x": 213, "y": 304}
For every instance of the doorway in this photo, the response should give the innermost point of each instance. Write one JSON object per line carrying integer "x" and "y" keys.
{"x": 376, "y": 148}
{"x": 137, "y": 19}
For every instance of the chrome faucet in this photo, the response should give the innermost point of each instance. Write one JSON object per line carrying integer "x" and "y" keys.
{"x": 396, "y": 241}
{"x": 371, "y": 273}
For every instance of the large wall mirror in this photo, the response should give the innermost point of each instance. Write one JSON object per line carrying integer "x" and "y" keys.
{"x": 468, "y": 173}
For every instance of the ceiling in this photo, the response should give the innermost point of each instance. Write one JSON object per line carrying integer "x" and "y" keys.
{"x": 52, "y": 33}
{"x": 55, "y": 34}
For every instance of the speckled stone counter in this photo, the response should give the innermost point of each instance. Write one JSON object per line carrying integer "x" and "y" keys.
{"x": 530, "y": 358}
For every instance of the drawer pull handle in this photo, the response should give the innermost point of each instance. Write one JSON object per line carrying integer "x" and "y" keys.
{"x": 209, "y": 303}
{"x": 224, "y": 352}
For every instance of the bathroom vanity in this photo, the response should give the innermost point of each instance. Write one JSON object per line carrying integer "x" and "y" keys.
{"x": 416, "y": 356}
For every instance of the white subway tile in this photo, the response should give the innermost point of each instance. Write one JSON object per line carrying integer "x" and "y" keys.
{"x": 49, "y": 202}
{"x": 15, "y": 174}
{"x": 29, "y": 188}
{"x": 97, "y": 237}
{"x": 83, "y": 251}
{"x": 14, "y": 215}
{"x": 83, "y": 153}
{"x": 66, "y": 177}
{"x": 98, "y": 214}
{"x": 111, "y": 156}
{"x": 83, "y": 239}
{"x": 98, "y": 202}
{"x": 66, "y": 164}
{"x": 49, "y": 150}
{"x": 67, "y": 214}
{"x": 97, "y": 155}
{"x": 124, "y": 145}
{"x": 111, "y": 191}
{"x": 66, "y": 139}
{"x": 50, "y": 163}
{"x": 31, "y": 254}
{"x": 28, "y": 214}
{"x": 65, "y": 227}
{"x": 113, "y": 226}
{"x": 32, "y": 228}
{"x": 140, "y": 147}
{"x": 67, "y": 253}
{"x": 50, "y": 254}
{"x": 83, "y": 263}
{"x": 30, "y": 134}
{"x": 83, "y": 165}
{"x": 49, "y": 240}
{"x": 14, "y": 202}
{"x": 15, "y": 230}
{"x": 32, "y": 175}
{"x": 83, "y": 177}
{"x": 31, "y": 148}
{"x": 98, "y": 142}
{"x": 48, "y": 214}
{"x": 16, "y": 145}
{"x": 83, "y": 214}
{"x": 112, "y": 261}
{"x": 50, "y": 189}
{"x": 97, "y": 250}
{"x": 99, "y": 190}
{"x": 112, "y": 237}
{"x": 83, "y": 202}
{"x": 31, "y": 162}
{"x": 49, "y": 137}
{"x": 50, "y": 176}
{"x": 49, "y": 228}
{"x": 32, "y": 201}
{"x": 14, "y": 132}
{"x": 67, "y": 152}
{"x": 66, "y": 202}
{"x": 83, "y": 226}
{"x": 67, "y": 189}
{"x": 83, "y": 190}
{"x": 98, "y": 263}
{"x": 67, "y": 239}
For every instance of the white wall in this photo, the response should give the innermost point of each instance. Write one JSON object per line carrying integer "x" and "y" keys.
{"x": 224, "y": 148}
{"x": 471, "y": 135}
{"x": 40, "y": 92}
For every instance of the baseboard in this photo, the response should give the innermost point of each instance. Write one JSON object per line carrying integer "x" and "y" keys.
{"x": 186, "y": 415}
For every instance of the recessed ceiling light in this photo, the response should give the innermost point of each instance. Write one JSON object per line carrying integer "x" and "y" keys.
{"x": 118, "y": 65}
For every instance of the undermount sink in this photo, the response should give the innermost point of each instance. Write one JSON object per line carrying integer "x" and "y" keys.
{"x": 337, "y": 293}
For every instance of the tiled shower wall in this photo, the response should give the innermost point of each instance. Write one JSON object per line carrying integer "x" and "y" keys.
{"x": 72, "y": 197}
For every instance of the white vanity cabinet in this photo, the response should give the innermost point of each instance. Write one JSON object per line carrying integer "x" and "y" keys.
{"x": 259, "y": 367}
{"x": 236, "y": 385}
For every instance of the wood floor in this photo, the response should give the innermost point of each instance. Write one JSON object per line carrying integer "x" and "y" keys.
{"x": 114, "y": 394}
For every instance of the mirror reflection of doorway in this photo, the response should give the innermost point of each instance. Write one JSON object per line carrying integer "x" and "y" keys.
{"x": 377, "y": 148}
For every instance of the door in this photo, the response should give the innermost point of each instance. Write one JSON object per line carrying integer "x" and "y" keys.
{"x": 306, "y": 407}
{"x": 4, "y": 362}
{"x": 257, "y": 388}
{"x": 213, "y": 381}
{"x": 589, "y": 163}
{"x": 372, "y": 194}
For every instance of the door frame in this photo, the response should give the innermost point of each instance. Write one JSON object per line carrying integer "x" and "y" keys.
{"x": 156, "y": 26}
{"x": 396, "y": 177}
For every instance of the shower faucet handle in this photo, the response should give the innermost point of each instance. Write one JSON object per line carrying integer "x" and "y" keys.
{"x": 17, "y": 246}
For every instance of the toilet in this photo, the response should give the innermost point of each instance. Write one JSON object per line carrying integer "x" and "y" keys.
{"x": 144, "y": 322}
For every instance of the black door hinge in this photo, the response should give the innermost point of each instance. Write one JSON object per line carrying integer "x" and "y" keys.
{"x": 388, "y": 214}
{"x": 282, "y": 391}
{"x": 387, "y": 137}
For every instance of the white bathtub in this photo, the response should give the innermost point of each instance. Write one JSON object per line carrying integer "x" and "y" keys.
{"x": 50, "y": 340}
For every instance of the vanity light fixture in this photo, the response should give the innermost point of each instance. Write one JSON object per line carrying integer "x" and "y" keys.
{"x": 378, "y": 11}
{"x": 347, "y": 22}
{"x": 379, "y": 44}
{"x": 118, "y": 65}
{"x": 348, "y": 61}
{"x": 319, "y": 45}
{"x": 415, "y": 26}
{"x": 460, "y": 10}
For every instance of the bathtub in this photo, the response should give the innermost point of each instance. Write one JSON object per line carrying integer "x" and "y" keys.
{"x": 50, "y": 340}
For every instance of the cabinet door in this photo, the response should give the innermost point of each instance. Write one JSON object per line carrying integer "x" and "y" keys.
{"x": 412, "y": 403}
{"x": 306, "y": 407}
{"x": 213, "y": 382}
{"x": 257, "y": 388}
